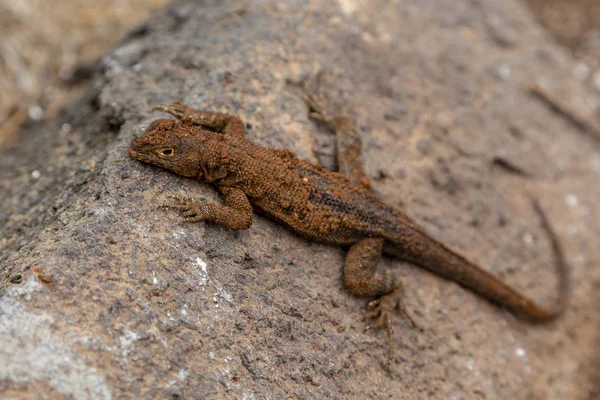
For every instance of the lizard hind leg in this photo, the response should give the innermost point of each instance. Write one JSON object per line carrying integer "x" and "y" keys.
{"x": 349, "y": 144}
{"x": 361, "y": 278}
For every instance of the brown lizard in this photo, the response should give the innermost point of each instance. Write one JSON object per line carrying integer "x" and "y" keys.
{"x": 318, "y": 204}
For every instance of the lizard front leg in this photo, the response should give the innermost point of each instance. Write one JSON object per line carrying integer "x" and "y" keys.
{"x": 221, "y": 122}
{"x": 236, "y": 213}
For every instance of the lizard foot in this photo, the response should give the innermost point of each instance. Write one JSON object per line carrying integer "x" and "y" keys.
{"x": 382, "y": 308}
{"x": 178, "y": 108}
{"x": 191, "y": 210}
{"x": 317, "y": 113}
{"x": 314, "y": 99}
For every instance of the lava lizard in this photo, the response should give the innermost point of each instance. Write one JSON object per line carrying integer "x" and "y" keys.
{"x": 321, "y": 205}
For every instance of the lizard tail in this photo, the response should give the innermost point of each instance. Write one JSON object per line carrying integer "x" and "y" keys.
{"x": 426, "y": 252}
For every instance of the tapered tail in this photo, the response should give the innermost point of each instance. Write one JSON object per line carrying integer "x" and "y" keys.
{"x": 420, "y": 248}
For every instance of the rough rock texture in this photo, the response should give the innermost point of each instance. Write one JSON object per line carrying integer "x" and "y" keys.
{"x": 104, "y": 296}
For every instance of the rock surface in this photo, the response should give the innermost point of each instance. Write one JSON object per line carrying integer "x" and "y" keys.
{"x": 104, "y": 296}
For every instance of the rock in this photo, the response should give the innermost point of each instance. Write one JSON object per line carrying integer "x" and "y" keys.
{"x": 116, "y": 299}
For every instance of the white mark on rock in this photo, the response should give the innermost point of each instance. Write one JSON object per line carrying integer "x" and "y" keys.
{"x": 31, "y": 351}
{"x": 504, "y": 71}
{"x": 35, "y": 174}
{"x": 222, "y": 294}
{"x": 528, "y": 239}
{"x": 571, "y": 200}
{"x": 225, "y": 295}
{"x": 66, "y": 128}
{"x": 128, "y": 343}
{"x": 595, "y": 162}
{"x": 348, "y": 6}
{"x": 203, "y": 271}
{"x": 470, "y": 364}
{"x": 179, "y": 233}
{"x": 581, "y": 71}
{"x": 183, "y": 374}
{"x": 520, "y": 352}
{"x": 35, "y": 113}
{"x": 25, "y": 290}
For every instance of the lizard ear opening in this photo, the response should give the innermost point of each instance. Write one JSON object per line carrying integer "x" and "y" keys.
{"x": 166, "y": 152}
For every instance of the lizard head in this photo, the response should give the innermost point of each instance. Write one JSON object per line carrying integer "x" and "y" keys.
{"x": 170, "y": 145}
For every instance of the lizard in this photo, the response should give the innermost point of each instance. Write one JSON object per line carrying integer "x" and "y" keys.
{"x": 338, "y": 208}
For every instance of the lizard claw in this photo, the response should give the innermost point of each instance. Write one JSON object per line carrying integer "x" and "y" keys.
{"x": 317, "y": 113}
{"x": 382, "y": 309}
{"x": 190, "y": 209}
{"x": 178, "y": 200}
{"x": 386, "y": 304}
{"x": 178, "y": 108}
{"x": 314, "y": 99}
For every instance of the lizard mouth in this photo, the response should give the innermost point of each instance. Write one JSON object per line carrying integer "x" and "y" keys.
{"x": 132, "y": 152}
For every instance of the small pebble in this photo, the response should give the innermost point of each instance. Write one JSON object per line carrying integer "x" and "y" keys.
{"x": 35, "y": 113}
{"x": 595, "y": 162}
{"x": 596, "y": 79}
{"x": 444, "y": 119}
{"x": 35, "y": 174}
{"x": 571, "y": 200}
{"x": 504, "y": 71}
{"x": 581, "y": 71}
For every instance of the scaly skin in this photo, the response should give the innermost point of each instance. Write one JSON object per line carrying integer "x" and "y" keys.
{"x": 318, "y": 204}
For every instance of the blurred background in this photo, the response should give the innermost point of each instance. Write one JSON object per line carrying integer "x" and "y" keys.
{"x": 49, "y": 49}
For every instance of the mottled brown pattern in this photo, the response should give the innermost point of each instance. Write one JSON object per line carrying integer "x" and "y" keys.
{"x": 316, "y": 203}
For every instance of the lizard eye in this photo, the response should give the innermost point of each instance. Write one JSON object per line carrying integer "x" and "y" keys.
{"x": 166, "y": 152}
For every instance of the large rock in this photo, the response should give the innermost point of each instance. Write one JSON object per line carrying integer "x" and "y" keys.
{"x": 104, "y": 296}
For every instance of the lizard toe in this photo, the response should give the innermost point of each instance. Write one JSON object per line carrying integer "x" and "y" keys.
{"x": 193, "y": 219}
{"x": 189, "y": 213}
{"x": 382, "y": 309}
